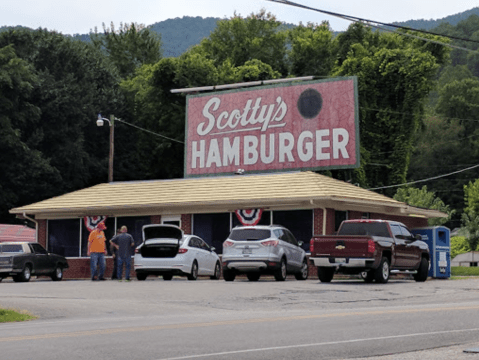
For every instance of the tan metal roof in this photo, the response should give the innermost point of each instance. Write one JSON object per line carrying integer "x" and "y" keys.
{"x": 293, "y": 190}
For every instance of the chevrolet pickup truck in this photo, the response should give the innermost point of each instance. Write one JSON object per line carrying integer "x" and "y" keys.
{"x": 372, "y": 248}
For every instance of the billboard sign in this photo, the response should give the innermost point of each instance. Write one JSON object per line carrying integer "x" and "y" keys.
{"x": 289, "y": 126}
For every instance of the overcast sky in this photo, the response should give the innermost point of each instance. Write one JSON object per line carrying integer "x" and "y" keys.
{"x": 81, "y": 16}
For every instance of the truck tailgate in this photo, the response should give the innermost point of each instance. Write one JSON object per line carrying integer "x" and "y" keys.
{"x": 341, "y": 246}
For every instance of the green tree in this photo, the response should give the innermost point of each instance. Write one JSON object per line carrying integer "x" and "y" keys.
{"x": 441, "y": 138}
{"x": 129, "y": 47}
{"x": 460, "y": 99}
{"x": 239, "y": 40}
{"x": 395, "y": 76}
{"x": 459, "y": 245}
{"x": 311, "y": 50}
{"x": 470, "y": 217}
{"x": 26, "y": 174}
{"x": 423, "y": 198}
{"x": 56, "y": 121}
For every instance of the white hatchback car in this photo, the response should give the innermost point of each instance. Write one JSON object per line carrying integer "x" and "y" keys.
{"x": 167, "y": 251}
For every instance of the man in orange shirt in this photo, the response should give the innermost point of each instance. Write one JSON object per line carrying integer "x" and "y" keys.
{"x": 97, "y": 251}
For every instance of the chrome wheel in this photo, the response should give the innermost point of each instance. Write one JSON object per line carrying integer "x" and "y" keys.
{"x": 382, "y": 272}
{"x": 194, "y": 271}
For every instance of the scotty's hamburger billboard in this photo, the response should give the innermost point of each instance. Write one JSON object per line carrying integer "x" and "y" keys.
{"x": 305, "y": 125}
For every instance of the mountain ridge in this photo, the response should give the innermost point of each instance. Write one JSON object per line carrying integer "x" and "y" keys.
{"x": 179, "y": 34}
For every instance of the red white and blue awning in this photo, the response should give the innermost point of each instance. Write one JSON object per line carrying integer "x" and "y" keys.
{"x": 91, "y": 222}
{"x": 250, "y": 216}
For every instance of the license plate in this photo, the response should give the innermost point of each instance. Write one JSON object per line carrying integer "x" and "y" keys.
{"x": 340, "y": 260}
{"x": 247, "y": 251}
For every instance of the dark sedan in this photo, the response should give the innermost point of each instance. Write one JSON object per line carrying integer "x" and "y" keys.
{"x": 21, "y": 260}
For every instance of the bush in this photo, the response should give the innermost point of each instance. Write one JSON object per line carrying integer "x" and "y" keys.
{"x": 464, "y": 271}
{"x": 459, "y": 245}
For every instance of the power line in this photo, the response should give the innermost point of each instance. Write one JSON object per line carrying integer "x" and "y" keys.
{"x": 424, "y": 180}
{"x": 148, "y": 131}
{"x": 362, "y": 20}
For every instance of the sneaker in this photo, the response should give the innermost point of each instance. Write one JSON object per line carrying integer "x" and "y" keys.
{"x": 120, "y": 280}
{"x": 127, "y": 280}
{"x": 101, "y": 279}
{"x": 93, "y": 278}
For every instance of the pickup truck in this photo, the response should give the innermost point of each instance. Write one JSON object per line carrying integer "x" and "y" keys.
{"x": 21, "y": 260}
{"x": 372, "y": 248}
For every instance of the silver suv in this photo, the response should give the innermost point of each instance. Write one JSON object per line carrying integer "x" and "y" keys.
{"x": 257, "y": 250}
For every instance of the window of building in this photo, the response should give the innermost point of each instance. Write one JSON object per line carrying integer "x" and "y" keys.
{"x": 63, "y": 237}
{"x": 299, "y": 222}
{"x": 134, "y": 224}
{"x": 212, "y": 228}
{"x": 109, "y": 233}
{"x": 339, "y": 217}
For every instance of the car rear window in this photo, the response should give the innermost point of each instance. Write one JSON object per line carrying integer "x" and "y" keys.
{"x": 11, "y": 248}
{"x": 250, "y": 234}
{"x": 158, "y": 232}
{"x": 372, "y": 229}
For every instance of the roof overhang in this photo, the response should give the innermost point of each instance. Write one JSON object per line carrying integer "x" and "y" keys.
{"x": 282, "y": 191}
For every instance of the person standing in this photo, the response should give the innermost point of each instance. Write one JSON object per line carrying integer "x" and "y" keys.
{"x": 114, "y": 254}
{"x": 123, "y": 243}
{"x": 97, "y": 251}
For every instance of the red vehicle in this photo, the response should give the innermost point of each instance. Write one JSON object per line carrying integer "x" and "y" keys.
{"x": 372, "y": 248}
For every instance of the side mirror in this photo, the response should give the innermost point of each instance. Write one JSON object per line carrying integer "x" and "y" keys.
{"x": 212, "y": 248}
{"x": 300, "y": 243}
{"x": 418, "y": 236}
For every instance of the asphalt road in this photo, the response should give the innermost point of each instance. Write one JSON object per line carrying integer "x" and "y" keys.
{"x": 206, "y": 319}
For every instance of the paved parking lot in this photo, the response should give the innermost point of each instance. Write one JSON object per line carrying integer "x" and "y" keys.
{"x": 218, "y": 300}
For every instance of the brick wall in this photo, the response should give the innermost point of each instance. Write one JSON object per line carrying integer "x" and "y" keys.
{"x": 42, "y": 233}
{"x": 318, "y": 221}
{"x": 186, "y": 223}
{"x": 80, "y": 269}
{"x": 155, "y": 219}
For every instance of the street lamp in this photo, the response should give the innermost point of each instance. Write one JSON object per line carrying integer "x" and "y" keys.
{"x": 100, "y": 122}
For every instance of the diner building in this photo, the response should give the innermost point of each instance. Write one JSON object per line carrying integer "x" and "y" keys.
{"x": 305, "y": 202}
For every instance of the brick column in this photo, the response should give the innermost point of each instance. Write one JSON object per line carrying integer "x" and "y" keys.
{"x": 186, "y": 223}
{"x": 42, "y": 233}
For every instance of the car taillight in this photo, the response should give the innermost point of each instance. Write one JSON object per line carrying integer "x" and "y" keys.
{"x": 137, "y": 251}
{"x": 228, "y": 243}
{"x": 270, "y": 243}
{"x": 311, "y": 246}
{"x": 182, "y": 251}
{"x": 371, "y": 246}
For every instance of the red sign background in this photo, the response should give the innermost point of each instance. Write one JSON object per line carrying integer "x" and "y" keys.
{"x": 273, "y": 128}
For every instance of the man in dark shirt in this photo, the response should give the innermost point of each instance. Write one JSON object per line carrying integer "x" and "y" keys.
{"x": 123, "y": 243}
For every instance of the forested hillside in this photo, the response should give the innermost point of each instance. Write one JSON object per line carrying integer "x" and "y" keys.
{"x": 179, "y": 34}
{"x": 424, "y": 24}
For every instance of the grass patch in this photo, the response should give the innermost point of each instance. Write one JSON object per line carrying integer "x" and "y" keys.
{"x": 464, "y": 271}
{"x": 14, "y": 316}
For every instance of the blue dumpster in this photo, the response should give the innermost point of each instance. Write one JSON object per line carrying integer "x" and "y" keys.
{"x": 439, "y": 242}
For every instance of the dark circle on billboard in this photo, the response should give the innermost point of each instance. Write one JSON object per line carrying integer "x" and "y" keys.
{"x": 310, "y": 103}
